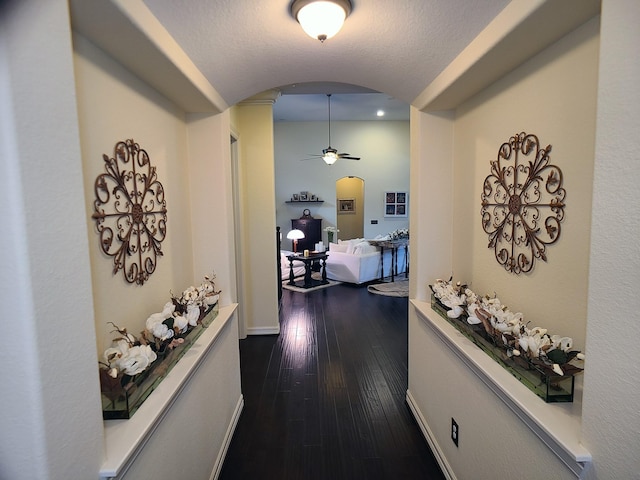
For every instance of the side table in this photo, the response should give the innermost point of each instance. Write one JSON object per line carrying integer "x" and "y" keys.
{"x": 393, "y": 245}
{"x": 308, "y": 261}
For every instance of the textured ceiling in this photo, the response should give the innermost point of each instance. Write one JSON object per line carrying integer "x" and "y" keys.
{"x": 244, "y": 47}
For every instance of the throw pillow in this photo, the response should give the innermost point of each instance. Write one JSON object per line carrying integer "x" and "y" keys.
{"x": 352, "y": 244}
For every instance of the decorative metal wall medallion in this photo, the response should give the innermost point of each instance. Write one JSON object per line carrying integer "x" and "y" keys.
{"x": 130, "y": 212}
{"x": 522, "y": 203}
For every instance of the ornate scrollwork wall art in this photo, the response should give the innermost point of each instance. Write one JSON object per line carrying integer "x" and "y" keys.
{"x": 130, "y": 212}
{"x": 522, "y": 203}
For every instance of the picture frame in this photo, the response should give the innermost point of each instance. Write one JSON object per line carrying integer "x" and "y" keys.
{"x": 396, "y": 204}
{"x": 295, "y": 197}
{"x": 304, "y": 196}
{"x": 346, "y": 206}
{"x": 313, "y": 198}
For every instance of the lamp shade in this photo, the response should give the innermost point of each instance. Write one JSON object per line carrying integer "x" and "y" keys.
{"x": 295, "y": 234}
{"x": 321, "y": 19}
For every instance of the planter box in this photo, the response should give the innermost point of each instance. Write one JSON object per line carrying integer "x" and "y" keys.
{"x": 128, "y": 393}
{"x": 550, "y": 387}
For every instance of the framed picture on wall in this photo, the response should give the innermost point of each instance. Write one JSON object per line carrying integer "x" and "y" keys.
{"x": 346, "y": 206}
{"x": 395, "y": 204}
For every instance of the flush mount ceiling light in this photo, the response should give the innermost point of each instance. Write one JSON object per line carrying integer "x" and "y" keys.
{"x": 321, "y": 19}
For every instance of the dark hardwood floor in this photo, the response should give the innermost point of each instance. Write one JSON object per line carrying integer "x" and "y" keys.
{"x": 325, "y": 399}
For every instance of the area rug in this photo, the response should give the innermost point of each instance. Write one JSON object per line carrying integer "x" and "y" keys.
{"x": 393, "y": 289}
{"x": 315, "y": 276}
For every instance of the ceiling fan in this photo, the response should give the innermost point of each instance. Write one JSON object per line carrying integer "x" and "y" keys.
{"x": 330, "y": 154}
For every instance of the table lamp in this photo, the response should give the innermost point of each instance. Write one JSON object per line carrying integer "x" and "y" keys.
{"x": 295, "y": 235}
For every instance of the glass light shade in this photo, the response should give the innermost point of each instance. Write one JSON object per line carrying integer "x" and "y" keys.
{"x": 321, "y": 19}
{"x": 330, "y": 158}
{"x": 295, "y": 235}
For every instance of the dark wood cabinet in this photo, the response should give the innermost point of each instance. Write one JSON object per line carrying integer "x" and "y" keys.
{"x": 312, "y": 229}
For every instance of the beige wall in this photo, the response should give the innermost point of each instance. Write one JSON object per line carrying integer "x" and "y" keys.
{"x": 54, "y": 398}
{"x": 351, "y": 225}
{"x": 554, "y": 97}
{"x": 50, "y": 421}
{"x": 611, "y": 417}
{"x": 451, "y": 160}
{"x": 257, "y": 244}
{"x": 190, "y": 153}
{"x": 114, "y": 105}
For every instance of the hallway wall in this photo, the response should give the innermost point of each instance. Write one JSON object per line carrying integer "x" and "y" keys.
{"x": 553, "y": 94}
{"x": 113, "y": 106}
{"x": 52, "y": 427}
{"x": 50, "y": 422}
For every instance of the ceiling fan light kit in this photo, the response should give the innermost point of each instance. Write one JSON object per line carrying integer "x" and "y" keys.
{"x": 330, "y": 154}
{"x": 321, "y": 19}
{"x": 329, "y": 157}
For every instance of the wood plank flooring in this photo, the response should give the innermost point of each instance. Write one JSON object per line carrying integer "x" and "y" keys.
{"x": 325, "y": 399}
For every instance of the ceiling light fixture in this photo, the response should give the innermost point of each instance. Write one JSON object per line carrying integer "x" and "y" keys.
{"x": 330, "y": 157}
{"x": 321, "y": 19}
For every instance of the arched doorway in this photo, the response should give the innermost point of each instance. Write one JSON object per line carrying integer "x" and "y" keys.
{"x": 350, "y": 207}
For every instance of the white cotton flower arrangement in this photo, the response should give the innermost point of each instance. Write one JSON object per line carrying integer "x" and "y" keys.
{"x": 507, "y": 329}
{"x": 127, "y": 355}
{"x": 130, "y": 355}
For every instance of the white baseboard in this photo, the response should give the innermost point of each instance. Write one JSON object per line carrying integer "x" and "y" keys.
{"x": 428, "y": 435}
{"x": 217, "y": 467}
{"x": 263, "y": 331}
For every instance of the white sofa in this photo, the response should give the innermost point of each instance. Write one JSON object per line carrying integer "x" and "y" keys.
{"x": 357, "y": 261}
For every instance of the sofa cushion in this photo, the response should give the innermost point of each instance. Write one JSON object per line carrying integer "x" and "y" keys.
{"x": 338, "y": 247}
{"x": 363, "y": 248}
{"x": 351, "y": 244}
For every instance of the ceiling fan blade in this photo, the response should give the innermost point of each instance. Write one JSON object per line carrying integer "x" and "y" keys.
{"x": 346, "y": 156}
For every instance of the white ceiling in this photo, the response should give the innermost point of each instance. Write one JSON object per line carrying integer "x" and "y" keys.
{"x": 244, "y": 47}
{"x": 344, "y": 106}
{"x": 207, "y": 55}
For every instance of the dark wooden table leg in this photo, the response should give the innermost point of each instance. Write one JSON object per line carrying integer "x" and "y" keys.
{"x": 291, "y": 276}
{"x": 394, "y": 263}
{"x": 307, "y": 274}
{"x": 406, "y": 261}
{"x": 324, "y": 270}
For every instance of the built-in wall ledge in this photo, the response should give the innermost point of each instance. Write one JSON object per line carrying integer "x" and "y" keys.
{"x": 124, "y": 439}
{"x": 558, "y": 425}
